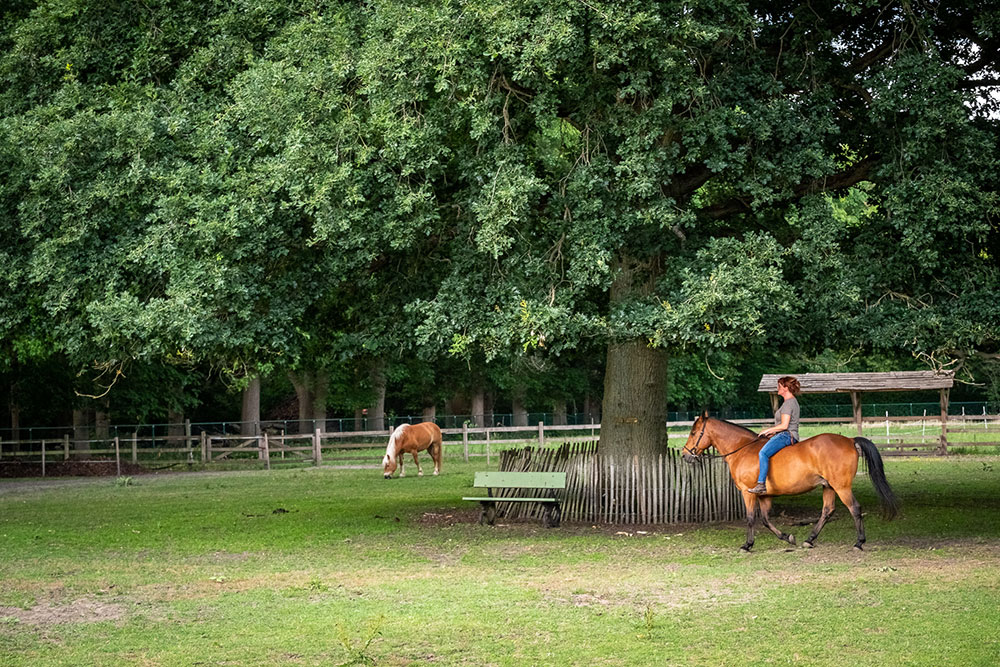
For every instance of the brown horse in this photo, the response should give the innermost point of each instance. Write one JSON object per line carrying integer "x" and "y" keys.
{"x": 412, "y": 438}
{"x": 826, "y": 460}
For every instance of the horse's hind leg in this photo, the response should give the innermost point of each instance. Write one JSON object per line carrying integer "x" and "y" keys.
{"x": 829, "y": 498}
{"x": 436, "y": 450}
{"x": 847, "y": 497}
{"x": 416, "y": 460}
{"x": 765, "y": 511}
{"x": 750, "y": 500}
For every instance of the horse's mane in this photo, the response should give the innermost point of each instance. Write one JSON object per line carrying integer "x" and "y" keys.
{"x": 738, "y": 426}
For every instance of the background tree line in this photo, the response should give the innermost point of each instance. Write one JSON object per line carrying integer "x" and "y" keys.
{"x": 529, "y": 202}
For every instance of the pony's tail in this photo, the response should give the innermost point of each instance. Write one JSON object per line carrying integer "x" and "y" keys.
{"x": 890, "y": 504}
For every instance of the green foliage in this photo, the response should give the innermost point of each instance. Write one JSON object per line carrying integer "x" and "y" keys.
{"x": 246, "y": 188}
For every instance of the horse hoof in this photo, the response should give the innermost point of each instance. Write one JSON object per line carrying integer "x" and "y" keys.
{"x": 791, "y": 540}
{"x": 420, "y": 474}
{"x": 858, "y": 547}
{"x": 435, "y": 472}
{"x": 744, "y": 550}
{"x": 807, "y": 545}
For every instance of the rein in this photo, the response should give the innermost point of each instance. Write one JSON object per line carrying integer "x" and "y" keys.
{"x": 693, "y": 453}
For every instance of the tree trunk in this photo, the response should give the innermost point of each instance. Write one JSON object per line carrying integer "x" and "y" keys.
{"x": 102, "y": 421}
{"x": 517, "y": 407}
{"x": 302, "y": 382}
{"x": 591, "y": 410}
{"x": 633, "y": 419}
{"x": 81, "y": 433}
{"x": 478, "y": 409}
{"x": 488, "y": 417}
{"x": 376, "y": 413}
{"x": 634, "y": 413}
{"x": 15, "y": 416}
{"x": 321, "y": 390}
{"x": 429, "y": 413}
{"x": 251, "y": 408}
{"x": 175, "y": 427}
{"x": 558, "y": 413}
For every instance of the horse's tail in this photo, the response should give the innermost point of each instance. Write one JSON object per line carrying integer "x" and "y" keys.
{"x": 890, "y": 504}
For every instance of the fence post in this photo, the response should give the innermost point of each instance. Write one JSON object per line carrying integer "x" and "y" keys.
{"x": 487, "y": 446}
{"x": 266, "y": 452}
{"x": 206, "y": 451}
{"x": 541, "y": 434}
{"x": 118, "y": 458}
{"x": 43, "y": 458}
{"x": 465, "y": 440}
{"x": 135, "y": 446}
{"x": 943, "y": 445}
{"x": 66, "y": 447}
{"x": 317, "y": 451}
{"x": 187, "y": 438}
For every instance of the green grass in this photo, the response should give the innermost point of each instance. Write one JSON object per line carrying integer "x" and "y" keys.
{"x": 328, "y": 567}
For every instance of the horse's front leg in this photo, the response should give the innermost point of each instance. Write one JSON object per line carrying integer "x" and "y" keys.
{"x": 765, "y": 513}
{"x": 416, "y": 461}
{"x": 750, "y": 500}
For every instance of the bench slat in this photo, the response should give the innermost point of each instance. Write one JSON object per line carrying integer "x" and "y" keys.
{"x": 521, "y": 480}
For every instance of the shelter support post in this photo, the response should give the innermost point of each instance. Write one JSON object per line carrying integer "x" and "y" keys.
{"x": 943, "y": 445}
{"x": 774, "y": 402}
{"x": 856, "y": 404}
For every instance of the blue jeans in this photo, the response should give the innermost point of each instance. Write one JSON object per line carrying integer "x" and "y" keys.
{"x": 777, "y": 442}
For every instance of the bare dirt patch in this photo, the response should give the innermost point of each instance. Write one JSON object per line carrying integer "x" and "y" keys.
{"x": 11, "y": 469}
{"x": 83, "y": 610}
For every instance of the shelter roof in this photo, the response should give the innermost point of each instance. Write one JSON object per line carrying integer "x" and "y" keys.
{"x": 826, "y": 383}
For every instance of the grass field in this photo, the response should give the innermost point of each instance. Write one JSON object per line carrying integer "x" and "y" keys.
{"x": 330, "y": 567}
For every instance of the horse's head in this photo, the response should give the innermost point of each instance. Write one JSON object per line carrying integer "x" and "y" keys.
{"x": 699, "y": 439}
{"x": 388, "y": 466}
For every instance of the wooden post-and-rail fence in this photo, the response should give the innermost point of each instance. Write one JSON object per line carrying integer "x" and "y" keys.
{"x": 908, "y": 436}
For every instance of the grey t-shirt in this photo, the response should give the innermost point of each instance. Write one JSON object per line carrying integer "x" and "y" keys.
{"x": 789, "y": 407}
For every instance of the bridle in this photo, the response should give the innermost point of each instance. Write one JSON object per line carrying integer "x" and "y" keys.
{"x": 695, "y": 454}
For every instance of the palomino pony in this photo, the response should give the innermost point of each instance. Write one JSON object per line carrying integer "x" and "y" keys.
{"x": 826, "y": 460}
{"x": 412, "y": 438}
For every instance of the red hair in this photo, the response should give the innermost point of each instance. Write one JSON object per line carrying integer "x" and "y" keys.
{"x": 791, "y": 384}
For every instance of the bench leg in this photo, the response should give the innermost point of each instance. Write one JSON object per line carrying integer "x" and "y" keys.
{"x": 489, "y": 514}
{"x": 551, "y": 515}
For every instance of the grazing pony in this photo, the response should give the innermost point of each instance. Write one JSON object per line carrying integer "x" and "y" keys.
{"x": 412, "y": 438}
{"x": 826, "y": 460}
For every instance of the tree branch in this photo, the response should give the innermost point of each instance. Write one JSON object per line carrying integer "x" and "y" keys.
{"x": 839, "y": 181}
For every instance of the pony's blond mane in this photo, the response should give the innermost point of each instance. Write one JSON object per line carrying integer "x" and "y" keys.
{"x": 390, "y": 449}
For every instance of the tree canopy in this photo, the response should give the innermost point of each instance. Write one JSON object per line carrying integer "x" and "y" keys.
{"x": 316, "y": 186}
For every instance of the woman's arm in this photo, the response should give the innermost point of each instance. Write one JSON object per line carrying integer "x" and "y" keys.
{"x": 786, "y": 419}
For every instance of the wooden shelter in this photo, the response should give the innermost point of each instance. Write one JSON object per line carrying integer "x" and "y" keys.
{"x": 857, "y": 383}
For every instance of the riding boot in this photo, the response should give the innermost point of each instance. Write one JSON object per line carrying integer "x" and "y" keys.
{"x": 760, "y": 489}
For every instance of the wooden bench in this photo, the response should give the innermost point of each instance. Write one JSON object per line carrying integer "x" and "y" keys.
{"x": 554, "y": 481}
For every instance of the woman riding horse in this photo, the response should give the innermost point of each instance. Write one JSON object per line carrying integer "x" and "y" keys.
{"x": 785, "y": 429}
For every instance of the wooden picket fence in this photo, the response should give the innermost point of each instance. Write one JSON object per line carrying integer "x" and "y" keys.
{"x": 602, "y": 488}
